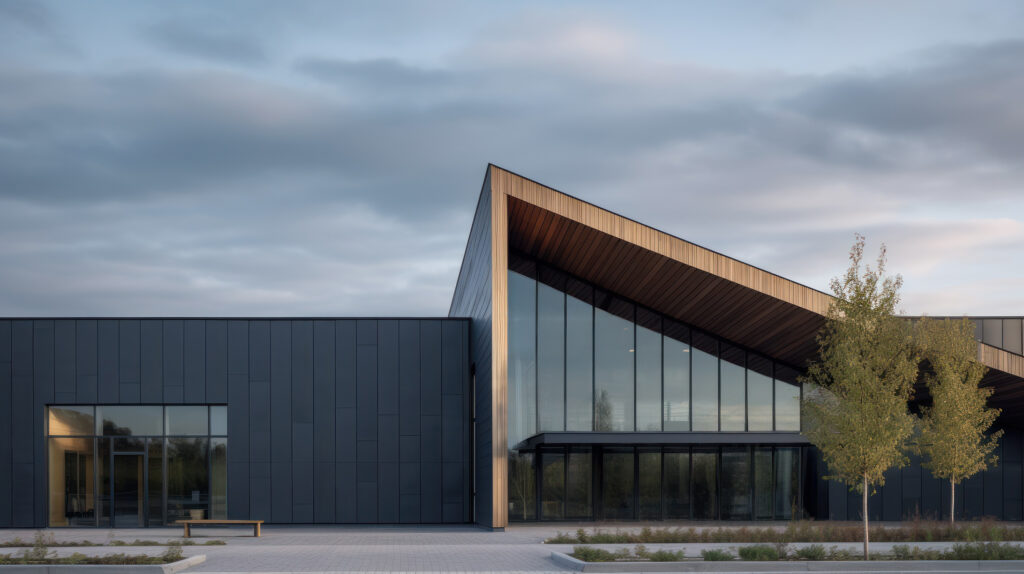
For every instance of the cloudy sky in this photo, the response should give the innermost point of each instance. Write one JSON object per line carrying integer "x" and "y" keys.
{"x": 322, "y": 158}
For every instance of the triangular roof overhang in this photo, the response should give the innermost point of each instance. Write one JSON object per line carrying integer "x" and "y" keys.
{"x": 737, "y": 301}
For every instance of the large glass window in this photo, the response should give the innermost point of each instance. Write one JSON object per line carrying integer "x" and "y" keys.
{"x": 579, "y": 497}
{"x": 787, "y": 399}
{"x": 522, "y": 487}
{"x": 550, "y": 358}
{"x": 552, "y": 503}
{"x": 759, "y": 393}
{"x": 735, "y": 484}
{"x": 579, "y": 365}
{"x": 617, "y": 482}
{"x": 705, "y": 383}
{"x": 143, "y": 466}
{"x": 787, "y": 482}
{"x": 582, "y": 359}
{"x": 648, "y": 371}
{"x": 763, "y": 483}
{"x": 734, "y": 400}
{"x": 522, "y": 357}
{"x": 613, "y": 366}
{"x": 705, "y": 484}
{"x": 677, "y": 377}
{"x": 72, "y": 478}
{"x": 677, "y": 484}
{"x": 649, "y": 482}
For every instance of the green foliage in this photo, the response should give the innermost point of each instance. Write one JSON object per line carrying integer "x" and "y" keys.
{"x": 173, "y": 553}
{"x": 758, "y": 553}
{"x": 985, "y": 551}
{"x": 857, "y": 390}
{"x": 836, "y": 553}
{"x": 716, "y": 555}
{"x": 953, "y": 431}
{"x": 812, "y": 552}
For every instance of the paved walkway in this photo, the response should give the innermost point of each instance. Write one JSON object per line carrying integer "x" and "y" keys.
{"x": 361, "y": 548}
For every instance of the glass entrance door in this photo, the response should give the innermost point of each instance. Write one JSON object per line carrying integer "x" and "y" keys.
{"x": 129, "y": 490}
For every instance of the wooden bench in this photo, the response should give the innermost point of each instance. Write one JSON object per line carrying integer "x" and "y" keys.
{"x": 190, "y": 523}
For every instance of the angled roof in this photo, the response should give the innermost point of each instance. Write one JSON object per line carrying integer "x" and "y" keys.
{"x": 760, "y": 310}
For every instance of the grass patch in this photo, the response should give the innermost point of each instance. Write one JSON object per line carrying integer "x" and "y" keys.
{"x": 815, "y": 552}
{"x": 41, "y": 554}
{"x": 802, "y": 531}
{"x": 48, "y": 540}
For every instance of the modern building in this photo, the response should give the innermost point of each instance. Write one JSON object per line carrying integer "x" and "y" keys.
{"x": 591, "y": 368}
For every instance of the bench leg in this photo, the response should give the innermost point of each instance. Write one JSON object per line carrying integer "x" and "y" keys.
{"x": 188, "y": 532}
{"x": 256, "y": 530}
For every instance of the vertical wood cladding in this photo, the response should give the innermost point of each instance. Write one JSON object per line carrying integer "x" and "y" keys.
{"x": 329, "y": 420}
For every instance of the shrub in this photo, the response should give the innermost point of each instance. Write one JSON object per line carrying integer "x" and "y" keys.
{"x": 812, "y": 552}
{"x": 836, "y": 553}
{"x": 716, "y": 555}
{"x": 591, "y": 554}
{"x": 173, "y": 553}
{"x": 985, "y": 551}
{"x": 667, "y": 556}
{"x": 758, "y": 553}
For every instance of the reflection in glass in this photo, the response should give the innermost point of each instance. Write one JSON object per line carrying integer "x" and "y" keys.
{"x": 579, "y": 366}
{"x": 705, "y": 383}
{"x": 649, "y": 479}
{"x": 522, "y": 487}
{"x": 787, "y": 406}
{"x": 187, "y": 478}
{"x": 733, "y": 397}
{"x": 677, "y": 379}
{"x": 648, "y": 379}
{"x": 763, "y": 483}
{"x": 156, "y": 481}
{"x": 71, "y": 421}
{"x": 550, "y": 358}
{"x": 759, "y": 393}
{"x": 187, "y": 420}
{"x": 103, "y": 497}
{"x": 579, "y": 501}
{"x": 705, "y": 470}
{"x": 129, "y": 490}
{"x": 735, "y": 484}
{"x": 617, "y": 484}
{"x": 677, "y": 485}
{"x": 130, "y": 420}
{"x": 71, "y": 463}
{"x": 522, "y": 357}
{"x": 613, "y": 370}
{"x": 219, "y": 420}
{"x": 787, "y": 482}
{"x": 219, "y": 477}
{"x": 552, "y": 485}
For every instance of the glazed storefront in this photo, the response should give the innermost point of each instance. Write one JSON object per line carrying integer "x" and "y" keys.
{"x": 132, "y": 466}
{"x": 619, "y": 413}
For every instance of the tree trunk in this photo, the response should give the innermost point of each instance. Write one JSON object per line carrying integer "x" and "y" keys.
{"x": 952, "y": 501}
{"x": 865, "y": 511}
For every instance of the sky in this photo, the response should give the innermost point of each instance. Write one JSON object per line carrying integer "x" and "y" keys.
{"x": 324, "y": 158}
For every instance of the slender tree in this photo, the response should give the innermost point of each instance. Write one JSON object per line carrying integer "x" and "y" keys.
{"x": 954, "y": 439}
{"x": 855, "y": 403}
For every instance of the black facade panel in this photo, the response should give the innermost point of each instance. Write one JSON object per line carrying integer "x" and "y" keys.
{"x": 931, "y": 499}
{"x": 891, "y": 495}
{"x": 974, "y": 499}
{"x": 151, "y": 365}
{"x": 64, "y": 361}
{"x": 216, "y": 362}
{"x": 195, "y": 361}
{"x": 85, "y": 361}
{"x": 174, "y": 360}
{"x": 293, "y": 457}
{"x": 993, "y": 489}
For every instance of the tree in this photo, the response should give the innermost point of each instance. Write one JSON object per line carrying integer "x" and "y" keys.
{"x": 855, "y": 404}
{"x": 953, "y": 437}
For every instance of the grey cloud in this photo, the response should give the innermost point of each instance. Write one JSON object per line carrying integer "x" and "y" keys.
{"x": 202, "y": 40}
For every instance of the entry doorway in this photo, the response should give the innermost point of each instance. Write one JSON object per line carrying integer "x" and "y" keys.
{"x": 129, "y": 490}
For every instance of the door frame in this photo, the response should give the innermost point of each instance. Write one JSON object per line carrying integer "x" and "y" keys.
{"x": 144, "y": 486}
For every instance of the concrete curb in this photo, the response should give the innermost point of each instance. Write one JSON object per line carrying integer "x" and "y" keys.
{"x": 571, "y": 563}
{"x": 171, "y": 568}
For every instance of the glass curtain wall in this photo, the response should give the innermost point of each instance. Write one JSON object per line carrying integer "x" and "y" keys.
{"x": 656, "y": 483}
{"x": 582, "y": 359}
{"x": 131, "y": 466}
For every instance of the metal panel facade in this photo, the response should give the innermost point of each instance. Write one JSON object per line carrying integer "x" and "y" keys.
{"x": 329, "y": 421}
